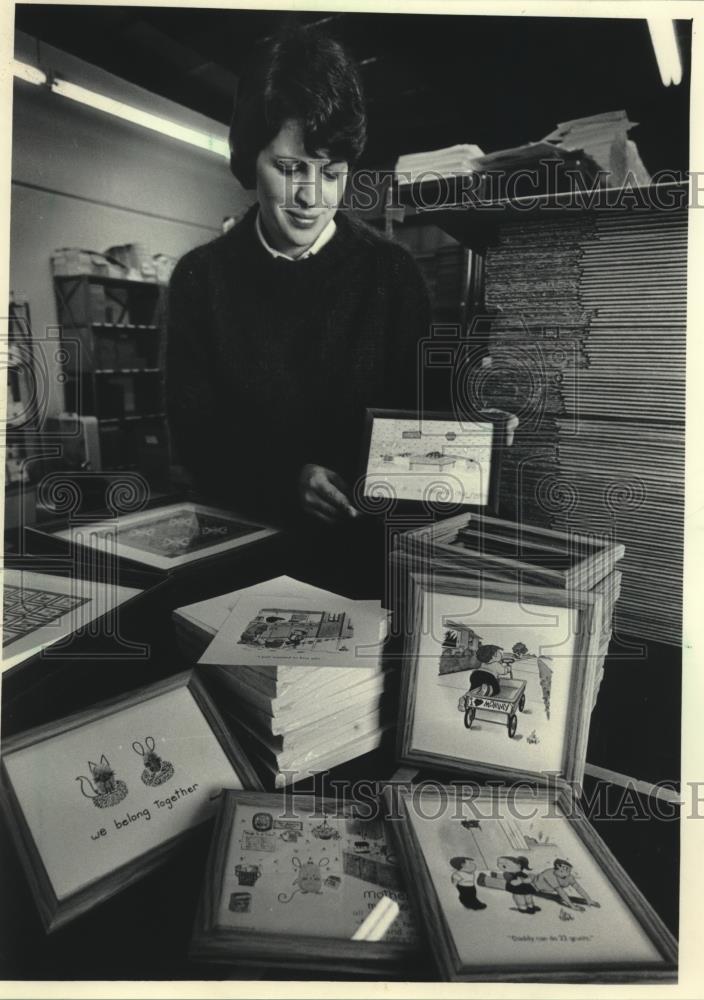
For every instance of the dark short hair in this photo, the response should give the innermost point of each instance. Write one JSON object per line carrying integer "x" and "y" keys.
{"x": 485, "y": 653}
{"x": 459, "y": 861}
{"x": 303, "y": 75}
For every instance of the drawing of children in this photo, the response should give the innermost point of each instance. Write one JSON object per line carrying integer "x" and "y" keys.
{"x": 463, "y": 877}
{"x": 485, "y": 679}
{"x": 518, "y": 882}
{"x": 557, "y": 880}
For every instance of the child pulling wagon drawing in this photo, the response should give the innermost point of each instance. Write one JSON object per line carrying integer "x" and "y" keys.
{"x": 489, "y": 694}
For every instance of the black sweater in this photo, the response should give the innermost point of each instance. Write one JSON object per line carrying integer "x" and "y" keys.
{"x": 271, "y": 362}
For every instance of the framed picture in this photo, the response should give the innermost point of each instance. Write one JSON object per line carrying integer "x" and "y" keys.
{"x": 96, "y": 800}
{"x": 40, "y": 609}
{"x": 477, "y": 544}
{"x": 517, "y": 886}
{"x": 165, "y": 538}
{"x": 433, "y": 457}
{"x": 497, "y": 679}
{"x": 291, "y": 881}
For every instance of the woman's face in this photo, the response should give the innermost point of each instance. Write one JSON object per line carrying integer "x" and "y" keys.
{"x": 298, "y": 194}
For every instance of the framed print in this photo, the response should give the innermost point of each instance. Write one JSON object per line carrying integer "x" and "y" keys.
{"x": 96, "y": 800}
{"x": 497, "y": 679}
{"x": 39, "y": 609}
{"x": 166, "y": 538}
{"x": 290, "y": 881}
{"x": 475, "y": 543}
{"x": 432, "y": 457}
{"x": 517, "y": 887}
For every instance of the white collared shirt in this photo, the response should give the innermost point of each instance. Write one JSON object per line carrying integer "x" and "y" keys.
{"x": 325, "y": 237}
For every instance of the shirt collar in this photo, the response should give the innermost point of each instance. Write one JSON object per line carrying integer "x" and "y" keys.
{"x": 325, "y": 237}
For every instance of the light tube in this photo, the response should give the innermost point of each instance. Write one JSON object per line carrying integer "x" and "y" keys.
{"x": 143, "y": 118}
{"x": 23, "y": 71}
{"x": 667, "y": 53}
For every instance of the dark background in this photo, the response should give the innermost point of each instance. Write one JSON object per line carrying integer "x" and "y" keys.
{"x": 430, "y": 80}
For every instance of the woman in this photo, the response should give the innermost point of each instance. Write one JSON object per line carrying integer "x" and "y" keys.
{"x": 285, "y": 329}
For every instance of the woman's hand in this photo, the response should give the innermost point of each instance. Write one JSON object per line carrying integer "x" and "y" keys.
{"x": 323, "y": 494}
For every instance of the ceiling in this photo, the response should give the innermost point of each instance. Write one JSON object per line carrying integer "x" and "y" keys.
{"x": 430, "y": 80}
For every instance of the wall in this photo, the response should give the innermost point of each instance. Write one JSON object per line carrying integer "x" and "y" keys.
{"x": 82, "y": 178}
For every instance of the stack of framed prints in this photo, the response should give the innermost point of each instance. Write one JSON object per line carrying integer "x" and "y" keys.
{"x": 482, "y": 548}
{"x": 41, "y": 609}
{"x": 299, "y": 669}
{"x": 96, "y": 800}
{"x": 291, "y": 883}
{"x": 163, "y": 539}
{"x": 517, "y": 887}
{"x": 432, "y": 459}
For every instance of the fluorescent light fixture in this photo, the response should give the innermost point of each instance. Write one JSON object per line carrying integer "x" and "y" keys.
{"x": 143, "y": 118}
{"x": 667, "y": 53}
{"x": 23, "y": 71}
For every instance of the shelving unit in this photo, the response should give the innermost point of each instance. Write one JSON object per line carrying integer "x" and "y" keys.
{"x": 22, "y": 422}
{"x": 113, "y": 367}
{"x": 590, "y": 354}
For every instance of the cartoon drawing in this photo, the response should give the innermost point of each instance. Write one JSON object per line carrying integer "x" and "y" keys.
{"x": 277, "y": 628}
{"x": 463, "y": 877}
{"x": 520, "y": 650}
{"x": 485, "y": 679}
{"x": 459, "y": 648}
{"x": 309, "y": 879}
{"x": 471, "y": 824}
{"x": 156, "y": 771}
{"x": 489, "y": 695}
{"x": 554, "y": 882}
{"x": 108, "y": 790}
{"x": 324, "y": 831}
{"x": 290, "y": 836}
{"x": 565, "y": 915}
{"x": 262, "y": 822}
{"x": 240, "y": 902}
{"x": 247, "y": 874}
{"x": 532, "y": 737}
{"x": 518, "y": 882}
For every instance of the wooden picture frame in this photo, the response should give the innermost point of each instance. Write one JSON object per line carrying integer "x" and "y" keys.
{"x": 41, "y": 609}
{"x": 126, "y": 537}
{"x": 439, "y": 482}
{"x": 25, "y": 771}
{"x": 442, "y": 653}
{"x": 600, "y": 930}
{"x": 477, "y": 543}
{"x": 215, "y": 941}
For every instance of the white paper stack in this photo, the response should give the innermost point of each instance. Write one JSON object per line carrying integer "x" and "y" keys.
{"x": 605, "y": 138}
{"x": 298, "y": 669}
{"x": 449, "y": 162}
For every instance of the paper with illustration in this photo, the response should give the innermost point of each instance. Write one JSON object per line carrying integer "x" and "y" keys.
{"x": 298, "y": 631}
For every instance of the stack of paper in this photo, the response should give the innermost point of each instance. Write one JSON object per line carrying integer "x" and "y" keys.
{"x": 299, "y": 670}
{"x": 449, "y": 162}
{"x": 605, "y": 138}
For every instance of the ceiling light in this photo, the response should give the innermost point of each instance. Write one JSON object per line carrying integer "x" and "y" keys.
{"x": 23, "y": 71}
{"x": 143, "y": 118}
{"x": 667, "y": 53}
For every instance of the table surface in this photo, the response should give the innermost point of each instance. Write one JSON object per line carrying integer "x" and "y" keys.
{"x": 143, "y": 932}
